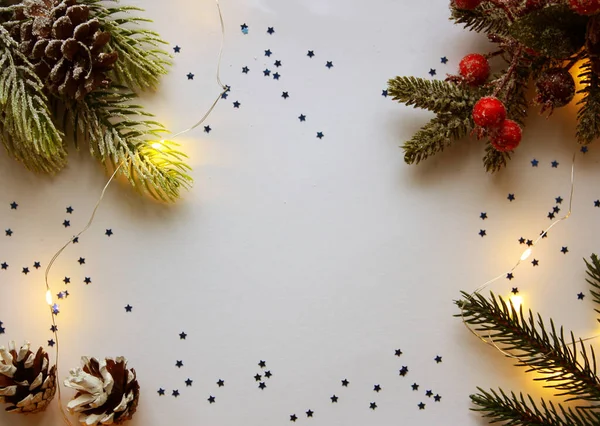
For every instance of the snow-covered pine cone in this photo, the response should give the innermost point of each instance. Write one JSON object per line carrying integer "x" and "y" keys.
{"x": 65, "y": 46}
{"x": 107, "y": 391}
{"x": 27, "y": 384}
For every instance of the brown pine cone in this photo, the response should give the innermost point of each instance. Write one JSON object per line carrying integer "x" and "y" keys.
{"x": 66, "y": 47}
{"x": 26, "y": 383}
{"x": 107, "y": 391}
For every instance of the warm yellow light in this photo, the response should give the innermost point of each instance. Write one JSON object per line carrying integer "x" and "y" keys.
{"x": 158, "y": 145}
{"x": 49, "y": 297}
{"x": 526, "y": 254}
{"x": 516, "y": 301}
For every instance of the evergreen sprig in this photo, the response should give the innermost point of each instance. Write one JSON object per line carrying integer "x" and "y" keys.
{"x": 593, "y": 273}
{"x": 567, "y": 365}
{"x": 516, "y": 410}
{"x": 588, "y": 126}
{"x": 121, "y": 132}
{"x": 26, "y": 129}
{"x": 435, "y": 136}
{"x": 142, "y": 61}
{"x": 564, "y": 365}
{"x": 485, "y": 18}
{"x": 434, "y": 95}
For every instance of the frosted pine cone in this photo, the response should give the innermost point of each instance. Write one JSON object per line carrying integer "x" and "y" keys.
{"x": 26, "y": 383}
{"x": 65, "y": 46}
{"x": 107, "y": 391}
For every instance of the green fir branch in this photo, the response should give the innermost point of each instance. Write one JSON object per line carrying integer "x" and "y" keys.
{"x": 516, "y": 410}
{"x": 120, "y": 133}
{"x": 593, "y": 273}
{"x": 142, "y": 60}
{"x": 435, "y": 136}
{"x": 564, "y": 366}
{"x": 26, "y": 129}
{"x": 588, "y": 116}
{"x": 485, "y": 18}
{"x": 434, "y": 95}
{"x": 494, "y": 160}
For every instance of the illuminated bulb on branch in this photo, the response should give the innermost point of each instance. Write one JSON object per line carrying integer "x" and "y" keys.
{"x": 158, "y": 145}
{"x": 516, "y": 301}
{"x": 49, "y": 297}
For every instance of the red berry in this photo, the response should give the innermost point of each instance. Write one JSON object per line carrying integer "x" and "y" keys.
{"x": 507, "y": 137}
{"x": 585, "y": 7}
{"x": 489, "y": 112}
{"x": 466, "y": 4}
{"x": 474, "y": 68}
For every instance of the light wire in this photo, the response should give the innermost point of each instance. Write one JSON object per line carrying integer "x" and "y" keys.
{"x": 225, "y": 89}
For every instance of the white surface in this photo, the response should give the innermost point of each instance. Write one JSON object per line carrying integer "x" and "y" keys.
{"x": 319, "y": 256}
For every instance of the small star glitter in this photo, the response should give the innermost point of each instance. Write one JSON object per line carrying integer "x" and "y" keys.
{"x": 182, "y": 335}
{"x": 403, "y": 370}
{"x": 329, "y": 64}
{"x": 108, "y": 232}
{"x": 511, "y": 197}
{"x": 211, "y": 399}
{"x": 373, "y": 406}
{"x": 128, "y": 308}
{"x": 14, "y": 205}
{"x": 311, "y": 53}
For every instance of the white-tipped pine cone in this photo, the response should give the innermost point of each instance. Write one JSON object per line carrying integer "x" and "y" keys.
{"x": 27, "y": 385}
{"x": 107, "y": 391}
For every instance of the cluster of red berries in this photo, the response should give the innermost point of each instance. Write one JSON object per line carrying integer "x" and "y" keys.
{"x": 489, "y": 112}
{"x": 582, "y": 7}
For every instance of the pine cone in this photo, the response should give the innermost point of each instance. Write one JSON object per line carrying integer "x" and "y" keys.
{"x": 107, "y": 392}
{"x": 65, "y": 46}
{"x": 26, "y": 384}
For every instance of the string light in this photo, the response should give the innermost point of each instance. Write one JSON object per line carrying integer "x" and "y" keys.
{"x": 158, "y": 145}
{"x": 517, "y": 300}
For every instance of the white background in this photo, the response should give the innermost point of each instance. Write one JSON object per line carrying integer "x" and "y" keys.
{"x": 320, "y": 257}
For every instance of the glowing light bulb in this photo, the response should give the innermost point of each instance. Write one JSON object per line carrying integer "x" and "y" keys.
{"x": 526, "y": 254}
{"x": 158, "y": 145}
{"x": 49, "y": 297}
{"x": 517, "y": 301}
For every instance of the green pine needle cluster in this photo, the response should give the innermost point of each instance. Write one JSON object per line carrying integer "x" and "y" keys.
{"x": 119, "y": 132}
{"x": 561, "y": 361}
{"x": 529, "y": 41}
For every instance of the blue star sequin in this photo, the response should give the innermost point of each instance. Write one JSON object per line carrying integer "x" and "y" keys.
{"x": 580, "y": 296}
{"x": 534, "y": 163}
{"x": 271, "y": 30}
{"x": 302, "y": 118}
{"x": 190, "y": 76}
{"x": 384, "y": 93}
{"x": 310, "y": 53}
{"x": 276, "y": 76}
{"x": 432, "y": 72}
{"x": 70, "y": 210}
{"x": 510, "y": 276}
{"x": 128, "y": 308}
{"x": 55, "y": 309}
{"x": 554, "y": 164}
{"x": 8, "y": 232}
{"x": 182, "y": 335}
{"x": 285, "y": 95}
{"x": 207, "y": 129}
{"x": 60, "y": 295}
{"x": 25, "y": 270}
{"x": 177, "y": 49}
{"x": 444, "y": 60}
{"x": 37, "y": 265}
{"x": 597, "y": 203}
{"x": 161, "y": 392}
{"x": 558, "y": 200}
{"x": 482, "y": 232}
{"x": 483, "y": 216}
{"x": 245, "y": 70}
{"x": 236, "y": 104}
{"x": 268, "y": 52}
{"x": 535, "y": 262}
{"x": 511, "y": 197}
{"x": 584, "y": 149}
{"x": 278, "y": 63}
{"x": 81, "y": 260}
{"x": 175, "y": 393}
{"x": 564, "y": 250}
{"x": 189, "y": 382}
{"x": 4, "y": 265}
{"x": 179, "y": 364}
{"x": 329, "y": 64}
{"x": 53, "y": 328}
{"x": 87, "y": 280}
{"x": 267, "y": 72}
{"x": 66, "y": 223}
{"x": 67, "y": 280}
{"x": 320, "y": 135}
{"x": 51, "y": 343}
{"x": 108, "y": 232}
{"x": 14, "y": 205}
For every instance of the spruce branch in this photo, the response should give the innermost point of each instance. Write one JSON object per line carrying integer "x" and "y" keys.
{"x": 26, "y": 129}
{"x": 435, "y": 136}
{"x": 593, "y": 273}
{"x": 435, "y": 95}
{"x": 588, "y": 116}
{"x": 121, "y": 132}
{"x": 494, "y": 160}
{"x": 516, "y": 410}
{"x": 485, "y": 18}
{"x": 142, "y": 61}
{"x": 565, "y": 366}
